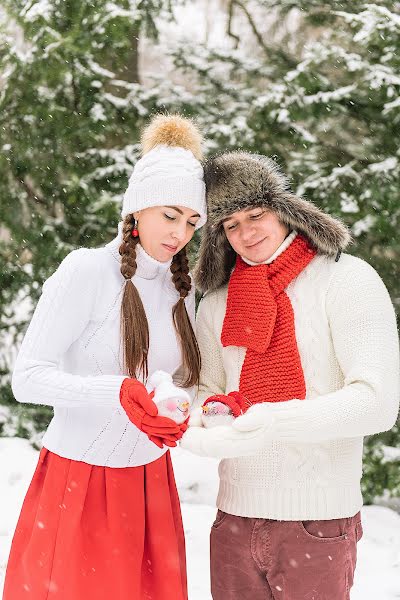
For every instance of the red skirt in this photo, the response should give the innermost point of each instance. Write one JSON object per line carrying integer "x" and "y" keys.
{"x": 98, "y": 533}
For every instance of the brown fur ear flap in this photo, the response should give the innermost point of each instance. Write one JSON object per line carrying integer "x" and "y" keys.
{"x": 173, "y": 130}
{"x": 327, "y": 234}
{"x": 216, "y": 260}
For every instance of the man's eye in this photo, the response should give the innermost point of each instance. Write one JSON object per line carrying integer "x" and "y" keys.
{"x": 257, "y": 216}
{"x": 168, "y": 217}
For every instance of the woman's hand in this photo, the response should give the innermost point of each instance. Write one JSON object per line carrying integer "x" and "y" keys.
{"x": 170, "y": 440}
{"x": 142, "y": 412}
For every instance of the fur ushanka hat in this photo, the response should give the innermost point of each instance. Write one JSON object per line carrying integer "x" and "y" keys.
{"x": 239, "y": 180}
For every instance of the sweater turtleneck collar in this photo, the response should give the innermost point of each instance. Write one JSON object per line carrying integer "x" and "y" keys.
{"x": 147, "y": 267}
{"x": 285, "y": 244}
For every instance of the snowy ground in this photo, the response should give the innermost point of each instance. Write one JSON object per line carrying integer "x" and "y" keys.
{"x": 378, "y": 570}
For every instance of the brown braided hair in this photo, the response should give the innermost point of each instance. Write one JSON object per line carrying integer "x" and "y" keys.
{"x": 134, "y": 325}
{"x": 190, "y": 349}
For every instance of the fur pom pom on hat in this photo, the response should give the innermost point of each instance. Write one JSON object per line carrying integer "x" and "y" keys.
{"x": 172, "y": 130}
{"x": 239, "y": 180}
{"x": 169, "y": 172}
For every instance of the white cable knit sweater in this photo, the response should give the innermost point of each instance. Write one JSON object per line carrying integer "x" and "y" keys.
{"x": 346, "y": 334}
{"x": 71, "y": 359}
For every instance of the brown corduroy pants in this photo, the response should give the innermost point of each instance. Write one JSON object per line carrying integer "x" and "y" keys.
{"x": 263, "y": 559}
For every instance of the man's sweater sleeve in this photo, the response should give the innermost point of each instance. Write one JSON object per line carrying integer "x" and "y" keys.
{"x": 212, "y": 375}
{"x": 364, "y": 334}
{"x": 62, "y": 313}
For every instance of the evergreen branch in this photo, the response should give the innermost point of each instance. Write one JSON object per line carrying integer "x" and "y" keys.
{"x": 32, "y": 193}
{"x": 268, "y": 50}
{"x": 252, "y": 25}
{"x": 74, "y": 89}
{"x": 229, "y": 27}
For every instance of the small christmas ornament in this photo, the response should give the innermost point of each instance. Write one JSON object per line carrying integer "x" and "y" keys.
{"x": 172, "y": 401}
{"x": 222, "y": 410}
{"x": 135, "y": 232}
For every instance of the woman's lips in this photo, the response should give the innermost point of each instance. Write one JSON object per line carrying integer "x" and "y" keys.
{"x": 170, "y": 248}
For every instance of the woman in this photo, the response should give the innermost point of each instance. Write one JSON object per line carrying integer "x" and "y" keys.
{"x": 308, "y": 338}
{"x": 101, "y": 518}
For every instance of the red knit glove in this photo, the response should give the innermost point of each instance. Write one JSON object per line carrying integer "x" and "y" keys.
{"x": 235, "y": 400}
{"x": 142, "y": 411}
{"x": 170, "y": 440}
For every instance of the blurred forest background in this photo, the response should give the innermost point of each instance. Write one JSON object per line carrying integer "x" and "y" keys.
{"x": 313, "y": 84}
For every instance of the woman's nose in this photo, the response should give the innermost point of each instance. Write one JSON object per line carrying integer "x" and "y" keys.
{"x": 180, "y": 233}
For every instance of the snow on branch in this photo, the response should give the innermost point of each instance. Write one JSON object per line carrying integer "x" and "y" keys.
{"x": 39, "y": 9}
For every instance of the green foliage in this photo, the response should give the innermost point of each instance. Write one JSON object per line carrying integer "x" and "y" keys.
{"x": 72, "y": 105}
{"x": 381, "y": 468}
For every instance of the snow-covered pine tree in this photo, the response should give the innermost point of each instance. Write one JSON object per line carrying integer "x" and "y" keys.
{"x": 71, "y": 106}
{"x": 330, "y": 114}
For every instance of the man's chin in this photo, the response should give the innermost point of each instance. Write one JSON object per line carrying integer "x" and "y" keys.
{"x": 257, "y": 257}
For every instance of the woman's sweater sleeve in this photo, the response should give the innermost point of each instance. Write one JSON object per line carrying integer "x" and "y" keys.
{"x": 364, "y": 334}
{"x": 62, "y": 313}
{"x": 212, "y": 375}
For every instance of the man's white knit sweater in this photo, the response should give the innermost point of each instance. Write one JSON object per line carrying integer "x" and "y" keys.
{"x": 71, "y": 354}
{"x": 346, "y": 334}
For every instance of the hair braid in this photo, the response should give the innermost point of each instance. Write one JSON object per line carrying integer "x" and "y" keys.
{"x": 190, "y": 349}
{"x": 180, "y": 273}
{"x": 134, "y": 325}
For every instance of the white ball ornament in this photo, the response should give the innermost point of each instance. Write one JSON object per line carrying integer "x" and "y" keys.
{"x": 171, "y": 401}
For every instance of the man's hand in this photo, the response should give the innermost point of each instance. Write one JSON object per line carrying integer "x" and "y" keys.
{"x": 195, "y": 417}
{"x": 290, "y": 421}
{"x": 223, "y": 442}
{"x": 257, "y": 416}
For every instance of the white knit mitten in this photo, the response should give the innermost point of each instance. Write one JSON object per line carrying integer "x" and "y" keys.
{"x": 172, "y": 401}
{"x": 292, "y": 421}
{"x": 196, "y": 417}
{"x": 256, "y": 417}
{"x": 223, "y": 442}
{"x": 303, "y": 421}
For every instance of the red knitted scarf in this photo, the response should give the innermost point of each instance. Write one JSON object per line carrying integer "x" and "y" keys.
{"x": 259, "y": 316}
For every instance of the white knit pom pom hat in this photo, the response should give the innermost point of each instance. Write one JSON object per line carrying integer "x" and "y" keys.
{"x": 169, "y": 172}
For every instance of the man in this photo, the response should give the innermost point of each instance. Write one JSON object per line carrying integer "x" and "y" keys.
{"x": 308, "y": 337}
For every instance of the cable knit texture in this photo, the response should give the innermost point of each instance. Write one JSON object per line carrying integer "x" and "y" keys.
{"x": 259, "y": 316}
{"x": 347, "y": 340}
{"x": 71, "y": 357}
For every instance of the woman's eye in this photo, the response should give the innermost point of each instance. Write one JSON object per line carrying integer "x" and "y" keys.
{"x": 231, "y": 227}
{"x": 168, "y": 217}
{"x": 192, "y": 224}
{"x": 257, "y": 216}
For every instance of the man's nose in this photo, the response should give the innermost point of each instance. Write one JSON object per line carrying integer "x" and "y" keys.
{"x": 247, "y": 232}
